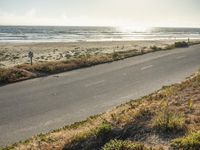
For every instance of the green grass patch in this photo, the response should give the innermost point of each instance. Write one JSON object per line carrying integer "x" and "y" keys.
{"x": 168, "y": 121}
{"x": 190, "y": 142}
{"x": 92, "y": 139}
{"x": 103, "y": 129}
{"x": 123, "y": 145}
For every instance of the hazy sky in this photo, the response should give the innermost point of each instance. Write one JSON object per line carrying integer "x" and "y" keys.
{"x": 181, "y": 13}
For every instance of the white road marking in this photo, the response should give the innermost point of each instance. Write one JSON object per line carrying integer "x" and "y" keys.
{"x": 146, "y": 67}
{"x": 95, "y": 83}
{"x": 126, "y": 97}
{"x": 180, "y": 57}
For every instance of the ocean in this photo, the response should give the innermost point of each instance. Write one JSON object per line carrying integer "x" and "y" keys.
{"x": 76, "y": 34}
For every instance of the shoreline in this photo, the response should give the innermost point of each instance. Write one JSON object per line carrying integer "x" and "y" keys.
{"x": 94, "y": 41}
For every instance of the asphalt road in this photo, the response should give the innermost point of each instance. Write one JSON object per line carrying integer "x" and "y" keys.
{"x": 30, "y": 107}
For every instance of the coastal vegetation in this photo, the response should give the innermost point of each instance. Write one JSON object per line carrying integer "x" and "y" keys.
{"x": 181, "y": 44}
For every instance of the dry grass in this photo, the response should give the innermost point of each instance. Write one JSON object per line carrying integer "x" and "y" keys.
{"x": 123, "y": 145}
{"x": 167, "y": 120}
{"x": 57, "y": 139}
{"x": 55, "y": 67}
{"x": 14, "y": 74}
{"x": 27, "y": 71}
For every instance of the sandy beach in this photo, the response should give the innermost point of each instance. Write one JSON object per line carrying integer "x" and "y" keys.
{"x": 12, "y": 54}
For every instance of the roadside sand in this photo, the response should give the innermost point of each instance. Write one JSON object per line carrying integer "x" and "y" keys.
{"x": 12, "y": 54}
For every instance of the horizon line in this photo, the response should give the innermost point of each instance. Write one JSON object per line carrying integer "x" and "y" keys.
{"x": 98, "y": 26}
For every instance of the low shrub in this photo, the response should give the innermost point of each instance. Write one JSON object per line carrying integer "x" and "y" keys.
{"x": 181, "y": 44}
{"x": 123, "y": 145}
{"x": 169, "y": 121}
{"x": 92, "y": 139}
{"x": 155, "y": 48}
{"x": 190, "y": 142}
{"x": 12, "y": 75}
{"x": 103, "y": 129}
{"x": 115, "y": 56}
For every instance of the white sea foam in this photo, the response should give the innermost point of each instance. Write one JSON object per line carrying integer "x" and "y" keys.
{"x": 75, "y": 34}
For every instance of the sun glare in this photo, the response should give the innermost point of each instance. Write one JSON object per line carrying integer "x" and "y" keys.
{"x": 134, "y": 28}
